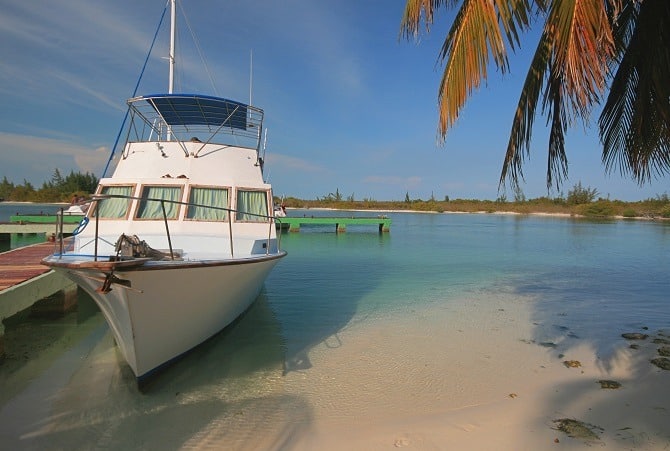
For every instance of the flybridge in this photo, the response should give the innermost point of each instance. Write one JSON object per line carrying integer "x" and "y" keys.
{"x": 182, "y": 117}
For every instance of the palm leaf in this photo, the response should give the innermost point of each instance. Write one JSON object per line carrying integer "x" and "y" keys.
{"x": 476, "y": 36}
{"x": 416, "y": 9}
{"x": 520, "y": 137}
{"x": 572, "y": 60}
{"x": 635, "y": 122}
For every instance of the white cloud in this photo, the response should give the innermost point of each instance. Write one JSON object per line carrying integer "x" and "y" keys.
{"x": 22, "y": 154}
{"x": 284, "y": 162}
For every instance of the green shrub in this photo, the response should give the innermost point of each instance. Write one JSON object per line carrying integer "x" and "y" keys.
{"x": 629, "y": 213}
{"x": 579, "y": 195}
{"x": 599, "y": 209}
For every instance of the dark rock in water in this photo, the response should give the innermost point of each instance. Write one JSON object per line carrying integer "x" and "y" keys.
{"x": 548, "y": 344}
{"x": 634, "y": 346}
{"x": 664, "y": 351}
{"x": 662, "y": 362}
{"x": 578, "y": 429}
{"x": 660, "y": 341}
{"x": 635, "y": 336}
{"x": 609, "y": 384}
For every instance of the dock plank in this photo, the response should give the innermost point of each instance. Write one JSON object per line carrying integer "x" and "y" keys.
{"x": 22, "y": 264}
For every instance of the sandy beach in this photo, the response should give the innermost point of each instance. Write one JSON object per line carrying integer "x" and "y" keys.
{"x": 497, "y": 389}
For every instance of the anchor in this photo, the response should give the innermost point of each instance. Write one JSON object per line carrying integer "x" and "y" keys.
{"x": 110, "y": 279}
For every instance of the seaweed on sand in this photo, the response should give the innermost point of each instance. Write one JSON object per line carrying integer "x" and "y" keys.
{"x": 578, "y": 429}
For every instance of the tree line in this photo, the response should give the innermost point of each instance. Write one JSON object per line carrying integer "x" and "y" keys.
{"x": 580, "y": 201}
{"x": 58, "y": 189}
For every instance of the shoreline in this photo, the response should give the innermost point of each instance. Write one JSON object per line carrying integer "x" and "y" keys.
{"x": 454, "y": 212}
{"x": 482, "y": 212}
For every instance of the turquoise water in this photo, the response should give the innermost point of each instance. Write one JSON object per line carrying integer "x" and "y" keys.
{"x": 336, "y": 306}
{"x": 597, "y": 276}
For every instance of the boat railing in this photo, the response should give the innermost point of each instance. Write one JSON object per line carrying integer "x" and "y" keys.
{"x": 96, "y": 198}
{"x": 180, "y": 117}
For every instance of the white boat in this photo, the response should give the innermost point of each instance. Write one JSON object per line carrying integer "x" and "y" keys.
{"x": 178, "y": 242}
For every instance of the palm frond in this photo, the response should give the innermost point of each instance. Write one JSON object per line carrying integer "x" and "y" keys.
{"x": 515, "y": 16}
{"x": 415, "y": 10}
{"x": 572, "y": 59}
{"x": 557, "y": 160}
{"x": 583, "y": 46}
{"x": 635, "y": 122}
{"x": 474, "y": 33}
{"x": 522, "y": 125}
{"x": 476, "y": 37}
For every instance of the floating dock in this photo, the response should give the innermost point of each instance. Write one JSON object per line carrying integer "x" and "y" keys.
{"x": 292, "y": 224}
{"x": 45, "y": 219}
{"x": 8, "y": 228}
{"x": 38, "y": 224}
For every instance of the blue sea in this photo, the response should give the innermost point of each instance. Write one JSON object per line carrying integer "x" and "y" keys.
{"x": 350, "y": 327}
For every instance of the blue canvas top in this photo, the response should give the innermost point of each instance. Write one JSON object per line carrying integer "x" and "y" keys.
{"x": 191, "y": 109}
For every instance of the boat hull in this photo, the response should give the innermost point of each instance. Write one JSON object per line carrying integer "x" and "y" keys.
{"x": 158, "y": 312}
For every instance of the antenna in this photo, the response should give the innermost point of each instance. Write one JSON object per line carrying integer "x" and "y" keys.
{"x": 251, "y": 72}
{"x": 173, "y": 31}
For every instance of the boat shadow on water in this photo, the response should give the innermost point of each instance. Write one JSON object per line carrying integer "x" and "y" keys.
{"x": 316, "y": 293}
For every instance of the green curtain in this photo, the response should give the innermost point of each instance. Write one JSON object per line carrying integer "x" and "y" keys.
{"x": 151, "y": 209}
{"x": 250, "y": 204}
{"x": 216, "y": 197}
{"x": 114, "y": 208}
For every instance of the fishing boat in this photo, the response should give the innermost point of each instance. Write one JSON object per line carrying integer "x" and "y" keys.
{"x": 178, "y": 242}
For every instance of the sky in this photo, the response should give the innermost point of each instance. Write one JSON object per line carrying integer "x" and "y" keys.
{"x": 350, "y": 106}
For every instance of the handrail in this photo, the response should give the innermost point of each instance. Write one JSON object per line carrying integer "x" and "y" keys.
{"x": 230, "y": 212}
{"x": 167, "y": 229}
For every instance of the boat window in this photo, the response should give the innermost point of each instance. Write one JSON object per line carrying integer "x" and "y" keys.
{"x": 201, "y": 200}
{"x": 114, "y": 208}
{"x": 252, "y": 206}
{"x": 150, "y": 205}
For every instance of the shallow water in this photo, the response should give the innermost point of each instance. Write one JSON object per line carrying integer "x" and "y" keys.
{"x": 349, "y": 327}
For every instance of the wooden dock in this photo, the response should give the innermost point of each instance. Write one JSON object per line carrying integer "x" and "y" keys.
{"x": 19, "y": 265}
{"x": 292, "y": 224}
{"x": 24, "y": 281}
